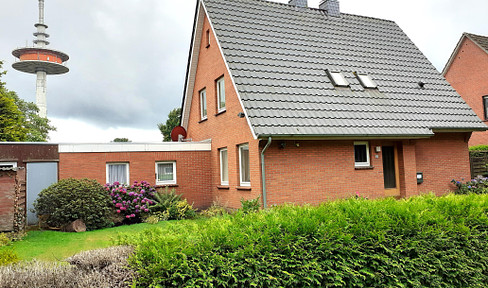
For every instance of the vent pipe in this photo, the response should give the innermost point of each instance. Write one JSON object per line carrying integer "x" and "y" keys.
{"x": 331, "y": 7}
{"x": 299, "y": 3}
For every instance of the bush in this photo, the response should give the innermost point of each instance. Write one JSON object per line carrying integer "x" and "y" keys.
{"x": 418, "y": 242}
{"x": 479, "y": 148}
{"x": 478, "y": 185}
{"x": 72, "y": 199}
{"x": 248, "y": 206}
{"x": 170, "y": 206}
{"x": 217, "y": 209}
{"x": 8, "y": 256}
{"x": 131, "y": 201}
{"x": 96, "y": 268}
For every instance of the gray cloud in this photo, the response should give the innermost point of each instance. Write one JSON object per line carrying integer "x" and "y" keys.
{"x": 128, "y": 57}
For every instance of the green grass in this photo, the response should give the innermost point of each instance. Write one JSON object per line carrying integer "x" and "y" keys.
{"x": 55, "y": 245}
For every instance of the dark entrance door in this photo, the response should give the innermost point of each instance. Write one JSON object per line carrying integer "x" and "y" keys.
{"x": 389, "y": 167}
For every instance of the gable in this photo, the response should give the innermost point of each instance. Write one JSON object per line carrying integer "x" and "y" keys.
{"x": 278, "y": 56}
{"x": 202, "y": 26}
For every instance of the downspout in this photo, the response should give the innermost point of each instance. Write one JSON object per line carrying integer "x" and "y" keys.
{"x": 263, "y": 174}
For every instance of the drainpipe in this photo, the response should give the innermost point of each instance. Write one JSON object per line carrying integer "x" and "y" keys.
{"x": 263, "y": 174}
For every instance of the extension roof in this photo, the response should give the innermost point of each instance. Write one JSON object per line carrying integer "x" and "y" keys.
{"x": 278, "y": 55}
{"x": 481, "y": 41}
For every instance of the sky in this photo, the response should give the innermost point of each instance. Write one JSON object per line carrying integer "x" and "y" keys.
{"x": 128, "y": 58}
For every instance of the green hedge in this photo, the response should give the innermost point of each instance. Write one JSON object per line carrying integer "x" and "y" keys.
{"x": 419, "y": 242}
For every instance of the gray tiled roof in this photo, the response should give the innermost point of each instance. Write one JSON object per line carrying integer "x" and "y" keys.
{"x": 482, "y": 41}
{"x": 278, "y": 56}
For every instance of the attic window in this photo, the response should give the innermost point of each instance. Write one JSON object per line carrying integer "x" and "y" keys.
{"x": 337, "y": 79}
{"x": 366, "y": 81}
{"x": 207, "y": 38}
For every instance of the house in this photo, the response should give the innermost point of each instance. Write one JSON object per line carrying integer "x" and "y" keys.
{"x": 466, "y": 70}
{"x": 306, "y": 105}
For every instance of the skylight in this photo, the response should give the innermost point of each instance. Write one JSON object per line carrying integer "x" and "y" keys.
{"x": 366, "y": 81}
{"x": 338, "y": 79}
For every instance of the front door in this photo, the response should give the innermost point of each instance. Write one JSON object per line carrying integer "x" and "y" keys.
{"x": 390, "y": 171}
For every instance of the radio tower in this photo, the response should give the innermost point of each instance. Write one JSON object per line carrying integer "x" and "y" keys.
{"x": 41, "y": 61}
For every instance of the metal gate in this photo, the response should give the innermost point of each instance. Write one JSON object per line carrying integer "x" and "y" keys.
{"x": 39, "y": 176}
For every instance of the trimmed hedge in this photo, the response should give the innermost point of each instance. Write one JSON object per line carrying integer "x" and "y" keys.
{"x": 418, "y": 242}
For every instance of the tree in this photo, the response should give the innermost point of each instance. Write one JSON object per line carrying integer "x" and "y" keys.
{"x": 121, "y": 140}
{"x": 173, "y": 121}
{"x": 19, "y": 120}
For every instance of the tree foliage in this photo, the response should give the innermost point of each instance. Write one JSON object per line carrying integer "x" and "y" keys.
{"x": 121, "y": 140}
{"x": 172, "y": 121}
{"x": 19, "y": 120}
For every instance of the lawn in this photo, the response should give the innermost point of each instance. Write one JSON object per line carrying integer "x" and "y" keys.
{"x": 55, "y": 245}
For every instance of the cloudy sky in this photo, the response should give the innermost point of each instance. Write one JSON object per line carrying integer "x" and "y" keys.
{"x": 128, "y": 57}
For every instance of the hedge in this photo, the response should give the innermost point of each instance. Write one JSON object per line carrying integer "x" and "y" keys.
{"x": 419, "y": 242}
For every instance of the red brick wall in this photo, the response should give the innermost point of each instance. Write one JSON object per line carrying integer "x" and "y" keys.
{"x": 317, "y": 171}
{"x": 443, "y": 158}
{"x": 468, "y": 75}
{"x": 225, "y": 129}
{"x": 192, "y": 170}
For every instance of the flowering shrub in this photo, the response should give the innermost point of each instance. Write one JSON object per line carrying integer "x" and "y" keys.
{"x": 131, "y": 201}
{"x": 478, "y": 185}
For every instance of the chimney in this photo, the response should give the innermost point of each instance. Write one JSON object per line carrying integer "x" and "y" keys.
{"x": 331, "y": 7}
{"x": 299, "y": 3}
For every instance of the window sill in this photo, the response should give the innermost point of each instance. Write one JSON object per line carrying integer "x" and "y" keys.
{"x": 220, "y": 112}
{"x": 223, "y": 187}
{"x": 165, "y": 185}
{"x": 363, "y": 167}
{"x": 244, "y": 188}
{"x": 203, "y": 120}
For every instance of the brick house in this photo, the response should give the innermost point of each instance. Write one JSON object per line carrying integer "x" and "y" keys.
{"x": 306, "y": 105}
{"x": 466, "y": 70}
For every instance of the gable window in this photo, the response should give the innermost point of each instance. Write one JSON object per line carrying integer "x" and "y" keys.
{"x": 366, "y": 81}
{"x": 207, "y": 38}
{"x": 485, "y": 106}
{"x": 244, "y": 169}
{"x": 165, "y": 173}
{"x": 361, "y": 154}
{"x": 337, "y": 79}
{"x": 224, "y": 167}
{"x": 203, "y": 104}
{"x": 8, "y": 165}
{"x": 118, "y": 172}
{"x": 220, "y": 94}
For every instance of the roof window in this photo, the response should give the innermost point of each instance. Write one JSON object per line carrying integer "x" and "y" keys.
{"x": 366, "y": 81}
{"x": 337, "y": 79}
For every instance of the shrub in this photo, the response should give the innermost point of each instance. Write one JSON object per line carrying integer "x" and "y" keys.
{"x": 72, "y": 199}
{"x": 8, "y": 256}
{"x": 217, "y": 209}
{"x": 248, "y": 206}
{"x": 131, "y": 201}
{"x": 418, "y": 242}
{"x": 4, "y": 239}
{"x": 478, "y": 185}
{"x": 479, "y": 148}
{"x": 170, "y": 206}
{"x": 96, "y": 268}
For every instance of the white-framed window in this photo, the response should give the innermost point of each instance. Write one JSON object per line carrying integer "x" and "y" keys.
{"x": 118, "y": 172}
{"x": 203, "y": 104}
{"x": 338, "y": 79}
{"x": 165, "y": 173}
{"x": 220, "y": 86}
{"x": 8, "y": 165}
{"x": 224, "y": 167}
{"x": 366, "y": 81}
{"x": 361, "y": 154}
{"x": 244, "y": 169}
